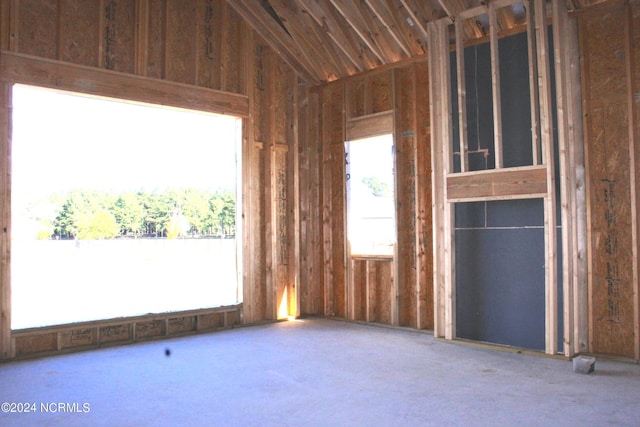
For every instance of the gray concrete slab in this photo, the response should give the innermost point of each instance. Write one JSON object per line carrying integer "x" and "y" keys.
{"x": 315, "y": 372}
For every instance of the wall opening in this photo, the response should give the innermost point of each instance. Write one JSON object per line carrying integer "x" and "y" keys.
{"x": 370, "y": 195}
{"x": 120, "y": 208}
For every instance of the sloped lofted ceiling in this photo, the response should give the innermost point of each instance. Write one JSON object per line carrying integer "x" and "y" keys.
{"x": 325, "y": 40}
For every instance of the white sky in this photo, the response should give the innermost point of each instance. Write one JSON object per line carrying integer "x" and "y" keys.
{"x": 63, "y": 141}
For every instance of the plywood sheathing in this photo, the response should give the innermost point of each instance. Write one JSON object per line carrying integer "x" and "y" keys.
{"x": 634, "y": 98}
{"x": 311, "y": 286}
{"x": 49, "y": 340}
{"x": 367, "y": 105}
{"x": 333, "y": 200}
{"x": 199, "y": 55}
{"x": 612, "y": 285}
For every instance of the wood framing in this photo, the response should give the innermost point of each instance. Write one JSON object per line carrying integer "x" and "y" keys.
{"x": 37, "y": 342}
{"x": 5, "y": 220}
{"x": 546, "y": 126}
{"x": 462, "y": 96}
{"x": 441, "y": 165}
{"x": 18, "y": 68}
{"x": 633, "y": 49}
{"x": 495, "y": 86}
{"x": 510, "y": 183}
{"x": 369, "y": 125}
{"x": 609, "y": 152}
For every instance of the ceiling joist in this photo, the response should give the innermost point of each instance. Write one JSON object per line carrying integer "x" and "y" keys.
{"x": 324, "y": 40}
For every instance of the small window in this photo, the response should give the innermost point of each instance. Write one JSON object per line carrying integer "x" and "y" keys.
{"x": 370, "y": 195}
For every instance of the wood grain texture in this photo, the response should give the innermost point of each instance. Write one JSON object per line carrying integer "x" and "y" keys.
{"x": 180, "y": 40}
{"x": 37, "y": 31}
{"x": 608, "y": 182}
{"x": 5, "y": 220}
{"x": 59, "y": 75}
{"x": 524, "y": 182}
{"x": 80, "y": 30}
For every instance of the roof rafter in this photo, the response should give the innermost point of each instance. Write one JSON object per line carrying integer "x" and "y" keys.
{"x": 263, "y": 23}
{"x": 353, "y": 16}
{"x": 385, "y": 17}
{"x": 332, "y": 28}
{"x": 315, "y": 46}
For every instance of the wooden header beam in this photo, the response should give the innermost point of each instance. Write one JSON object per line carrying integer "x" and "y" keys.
{"x": 31, "y": 70}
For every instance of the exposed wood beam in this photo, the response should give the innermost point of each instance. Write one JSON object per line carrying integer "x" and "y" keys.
{"x": 416, "y": 42}
{"x": 18, "y": 68}
{"x": 276, "y": 37}
{"x": 384, "y": 15}
{"x": 311, "y": 44}
{"x": 5, "y": 210}
{"x": 329, "y": 24}
{"x": 353, "y": 16}
{"x": 413, "y": 15}
{"x": 546, "y": 126}
{"x": 453, "y": 9}
{"x": 533, "y": 84}
{"x": 462, "y": 97}
{"x": 495, "y": 85}
{"x": 380, "y": 34}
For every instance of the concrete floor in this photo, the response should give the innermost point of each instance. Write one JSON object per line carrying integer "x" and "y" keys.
{"x": 315, "y": 372}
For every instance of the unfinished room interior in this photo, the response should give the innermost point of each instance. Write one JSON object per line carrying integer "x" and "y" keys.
{"x": 434, "y": 213}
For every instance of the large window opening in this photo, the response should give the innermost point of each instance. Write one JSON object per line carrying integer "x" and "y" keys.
{"x": 370, "y": 196}
{"x": 120, "y": 209}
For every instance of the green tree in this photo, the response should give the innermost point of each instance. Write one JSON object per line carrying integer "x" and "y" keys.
{"x": 129, "y": 213}
{"x": 379, "y": 188}
{"x": 97, "y": 225}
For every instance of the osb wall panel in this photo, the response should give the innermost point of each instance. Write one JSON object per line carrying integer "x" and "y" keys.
{"x": 86, "y": 335}
{"x": 311, "y": 277}
{"x": 155, "y": 39}
{"x": 79, "y": 32}
{"x": 369, "y": 94}
{"x": 380, "y": 281}
{"x": 40, "y": 36}
{"x": 36, "y": 344}
{"x": 405, "y": 174}
{"x": 196, "y": 42}
{"x": 356, "y": 97}
{"x": 360, "y": 291}
{"x": 609, "y": 174}
{"x": 118, "y": 26}
{"x": 333, "y": 199}
{"x": 180, "y": 41}
{"x": 424, "y": 228}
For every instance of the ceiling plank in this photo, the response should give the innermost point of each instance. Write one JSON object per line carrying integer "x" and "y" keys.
{"x": 384, "y": 16}
{"x": 277, "y": 38}
{"x": 316, "y": 47}
{"x": 414, "y": 16}
{"x": 381, "y": 34}
{"x": 327, "y": 21}
{"x": 353, "y": 16}
{"x": 407, "y": 27}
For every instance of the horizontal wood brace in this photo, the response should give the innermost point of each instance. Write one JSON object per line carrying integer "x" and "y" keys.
{"x": 496, "y": 184}
{"x": 370, "y": 125}
{"x": 31, "y": 70}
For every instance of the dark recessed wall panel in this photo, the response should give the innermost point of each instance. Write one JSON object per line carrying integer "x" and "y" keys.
{"x": 500, "y": 286}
